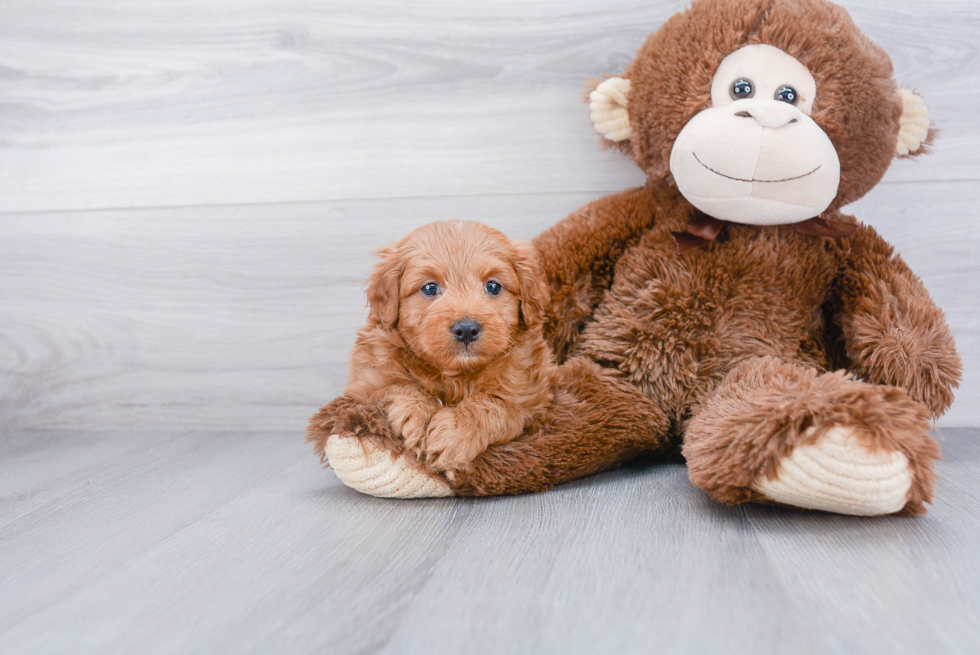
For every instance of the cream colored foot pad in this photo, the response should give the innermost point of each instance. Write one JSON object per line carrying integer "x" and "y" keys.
{"x": 837, "y": 474}
{"x": 374, "y": 472}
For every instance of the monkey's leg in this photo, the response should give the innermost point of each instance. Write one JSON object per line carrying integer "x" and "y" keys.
{"x": 356, "y": 440}
{"x": 783, "y": 432}
{"x": 597, "y": 422}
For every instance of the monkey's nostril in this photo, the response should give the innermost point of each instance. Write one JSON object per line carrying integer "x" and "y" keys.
{"x": 466, "y": 331}
{"x": 766, "y": 117}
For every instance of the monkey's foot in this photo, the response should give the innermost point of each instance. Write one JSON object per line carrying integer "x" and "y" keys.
{"x": 839, "y": 474}
{"x": 365, "y": 467}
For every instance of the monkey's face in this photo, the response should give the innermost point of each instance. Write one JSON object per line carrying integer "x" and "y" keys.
{"x": 755, "y": 155}
{"x": 762, "y": 111}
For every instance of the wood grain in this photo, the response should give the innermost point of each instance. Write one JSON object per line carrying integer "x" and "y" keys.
{"x": 162, "y": 103}
{"x": 233, "y": 317}
{"x": 243, "y": 317}
{"x": 239, "y": 542}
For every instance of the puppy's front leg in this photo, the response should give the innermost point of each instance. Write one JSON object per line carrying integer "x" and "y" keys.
{"x": 457, "y": 435}
{"x": 409, "y": 408}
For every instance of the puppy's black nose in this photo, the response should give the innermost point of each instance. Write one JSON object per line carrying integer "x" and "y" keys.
{"x": 466, "y": 331}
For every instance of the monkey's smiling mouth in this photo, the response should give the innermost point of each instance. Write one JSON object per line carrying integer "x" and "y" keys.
{"x": 739, "y": 179}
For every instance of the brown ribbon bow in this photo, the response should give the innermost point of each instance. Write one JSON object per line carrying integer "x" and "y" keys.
{"x": 703, "y": 229}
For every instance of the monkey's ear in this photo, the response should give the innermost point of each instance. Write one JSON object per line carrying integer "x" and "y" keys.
{"x": 914, "y": 135}
{"x": 607, "y": 108}
{"x": 383, "y": 285}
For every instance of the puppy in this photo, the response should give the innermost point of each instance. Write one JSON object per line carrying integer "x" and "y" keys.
{"x": 453, "y": 350}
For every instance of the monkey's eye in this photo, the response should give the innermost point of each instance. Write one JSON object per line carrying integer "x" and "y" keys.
{"x": 787, "y": 94}
{"x": 493, "y": 287}
{"x": 742, "y": 88}
{"x": 430, "y": 289}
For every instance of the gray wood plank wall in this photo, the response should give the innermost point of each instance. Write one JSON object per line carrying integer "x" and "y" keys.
{"x": 189, "y": 190}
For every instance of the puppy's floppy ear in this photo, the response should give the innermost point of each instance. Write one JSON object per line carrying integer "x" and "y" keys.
{"x": 915, "y": 135}
{"x": 534, "y": 292}
{"x": 383, "y": 285}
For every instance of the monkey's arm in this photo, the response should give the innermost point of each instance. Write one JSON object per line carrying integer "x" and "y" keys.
{"x": 894, "y": 333}
{"x": 579, "y": 254}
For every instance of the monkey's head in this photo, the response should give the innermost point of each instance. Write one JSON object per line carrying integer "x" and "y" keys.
{"x": 762, "y": 111}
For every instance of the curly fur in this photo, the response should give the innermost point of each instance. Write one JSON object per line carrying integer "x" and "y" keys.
{"x": 446, "y": 400}
{"x": 764, "y": 408}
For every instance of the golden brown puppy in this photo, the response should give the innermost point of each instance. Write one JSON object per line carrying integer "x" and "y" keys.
{"x": 453, "y": 350}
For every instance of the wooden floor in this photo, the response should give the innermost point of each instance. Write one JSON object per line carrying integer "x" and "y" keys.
{"x": 239, "y": 542}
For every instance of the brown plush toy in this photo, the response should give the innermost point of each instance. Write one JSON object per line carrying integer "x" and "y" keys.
{"x": 728, "y": 308}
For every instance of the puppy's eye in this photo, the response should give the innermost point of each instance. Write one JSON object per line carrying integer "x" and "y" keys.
{"x": 787, "y": 94}
{"x": 741, "y": 89}
{"x": 493, "y": 287}
{"x": 430, "y": 289}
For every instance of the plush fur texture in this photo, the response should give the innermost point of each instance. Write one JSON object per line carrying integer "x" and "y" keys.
{"x": 857, "y": 102}
{"x": 445, "y": 398}
{"x": 357, "y": 418}
{"x": 597, "y": 421}
{"x": 729, "y": 351}
{"x": 765, "y": 407}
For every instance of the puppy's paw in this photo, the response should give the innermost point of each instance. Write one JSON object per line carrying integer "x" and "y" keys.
{"x": 409, "y": 419}
{"x": 414, "y": 432}
{"x": 447, "y": 446}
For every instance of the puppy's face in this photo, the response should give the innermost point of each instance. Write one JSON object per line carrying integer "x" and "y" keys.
{"x": 458, "y": 292}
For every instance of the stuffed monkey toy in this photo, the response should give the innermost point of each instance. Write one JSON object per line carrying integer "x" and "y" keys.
{"x": 727, "y": 309}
